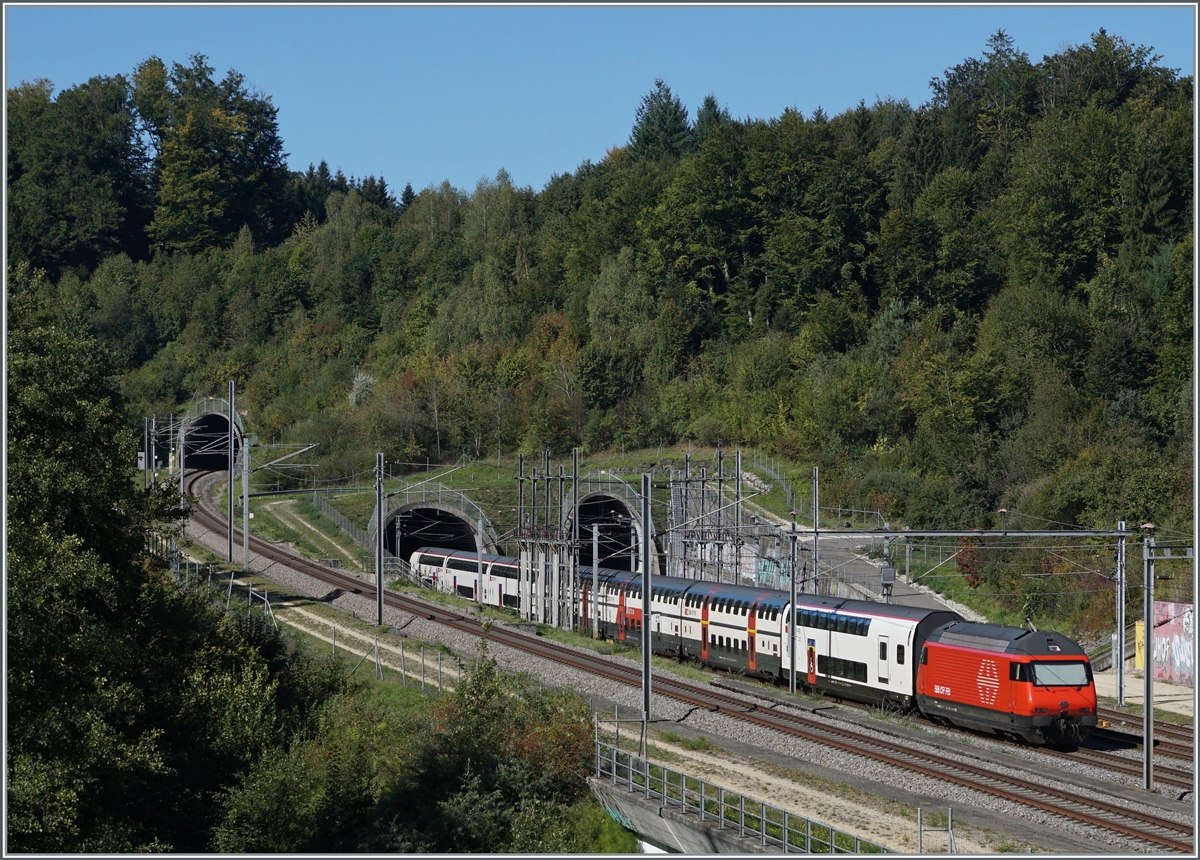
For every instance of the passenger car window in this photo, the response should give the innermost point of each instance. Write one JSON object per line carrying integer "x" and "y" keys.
{"x": 900, "y": 654}
{"x": 882, "y": 650}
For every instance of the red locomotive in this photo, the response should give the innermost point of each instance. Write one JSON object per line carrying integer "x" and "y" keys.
{"x": 1030, "y": 684}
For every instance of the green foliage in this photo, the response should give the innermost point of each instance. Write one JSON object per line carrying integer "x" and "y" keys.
{"x": 132, "y": 704}
{"x": 479, "y": 784}
{"x": 382, "y": 771}
{"x": 661, "y": 128}
{"x": 981, "y": 301}
{"x": 219, "y": 163}
{"x": 695, "y": 744}
{"x": 77, "y": 187}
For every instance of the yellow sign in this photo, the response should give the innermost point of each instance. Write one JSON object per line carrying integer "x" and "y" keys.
{"x": 1139, "y": 640}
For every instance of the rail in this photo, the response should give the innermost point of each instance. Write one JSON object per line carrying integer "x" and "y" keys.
{"x": 772, "y": 826}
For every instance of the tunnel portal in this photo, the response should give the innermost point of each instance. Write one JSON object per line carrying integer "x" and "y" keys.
{"x": 419, "y": 524}
{"x": 206, "y": 443}
{"x": 618, "y": 532}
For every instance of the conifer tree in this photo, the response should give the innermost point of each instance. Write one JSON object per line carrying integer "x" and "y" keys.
{"x": 661, "y": 128}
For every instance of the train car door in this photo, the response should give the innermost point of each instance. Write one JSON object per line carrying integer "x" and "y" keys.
{"x": 704, "y": 628}
{"x": 751, "y": 633}
{"x": 883, "y": 660}
{"x": 621, "y": 613}
{"x": 811, "y": 652}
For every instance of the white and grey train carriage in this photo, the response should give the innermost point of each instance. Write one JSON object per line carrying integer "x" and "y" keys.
{"x": 853, "y": 649}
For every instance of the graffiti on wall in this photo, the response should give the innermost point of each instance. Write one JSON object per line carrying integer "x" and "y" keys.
{"x": 1173, "y": 642}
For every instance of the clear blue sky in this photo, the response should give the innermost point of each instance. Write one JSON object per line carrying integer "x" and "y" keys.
{"x": 425, "y": 94}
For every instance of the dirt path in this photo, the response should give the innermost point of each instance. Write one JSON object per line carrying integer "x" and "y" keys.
{"x": 292, "y": 518}
{"x": 321, "y": 628}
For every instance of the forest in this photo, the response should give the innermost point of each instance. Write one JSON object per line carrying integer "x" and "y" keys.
{"x": 982, "y": 302}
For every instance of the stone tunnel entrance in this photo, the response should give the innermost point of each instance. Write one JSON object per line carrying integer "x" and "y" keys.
{"x": 618, "y": 532}
{"x": 419, "y": 524}
{"x": 206, "y": 443}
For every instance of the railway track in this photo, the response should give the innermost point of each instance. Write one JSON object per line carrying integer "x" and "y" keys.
{"x": 1172, "y": 776}
{"x": 1099, "y": 758}
{"x": 1169, "y": 739}
{"x": 1106, "y": 816}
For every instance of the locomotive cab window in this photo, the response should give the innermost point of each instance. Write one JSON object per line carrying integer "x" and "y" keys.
{"x": 1061, "y": 674}
{"x": 1018, "y": 671}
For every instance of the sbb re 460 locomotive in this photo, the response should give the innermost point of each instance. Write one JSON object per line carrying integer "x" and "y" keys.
{"x": 1036, "y": 685}
{"x": 1016, "y": 682}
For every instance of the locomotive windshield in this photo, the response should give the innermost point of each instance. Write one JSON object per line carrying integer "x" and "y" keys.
{"x": 1061, "y": 674}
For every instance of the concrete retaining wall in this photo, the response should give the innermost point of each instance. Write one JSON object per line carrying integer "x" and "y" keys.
{"x": 671, "y": 829}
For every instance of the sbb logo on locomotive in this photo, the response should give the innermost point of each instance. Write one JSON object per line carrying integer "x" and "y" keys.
{"x": 989, "y": 682}
{"x": 939, "y": 690}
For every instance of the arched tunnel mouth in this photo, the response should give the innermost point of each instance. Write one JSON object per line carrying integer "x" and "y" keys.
{"x": 413, "y": 528}
{"x": 206, "y": 444}
{"x": 617, "y": 545}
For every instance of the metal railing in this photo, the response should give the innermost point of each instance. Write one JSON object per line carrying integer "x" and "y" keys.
{"x": 430, "y": 491}
{"x": 394, "y": 566}
{"x": 774, "y": 468}
{"x": 204, "y": 579}
{"x": 215, "y": 405}
{"x": 852, "y": 517}
{"x": 770, "y": 825}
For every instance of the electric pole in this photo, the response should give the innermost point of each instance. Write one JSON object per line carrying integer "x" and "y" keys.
{"x": 230, "y": 486}
{"x": 379, "y": 539}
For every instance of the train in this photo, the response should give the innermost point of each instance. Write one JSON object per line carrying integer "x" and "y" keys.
{"x": 1034, "y": 686}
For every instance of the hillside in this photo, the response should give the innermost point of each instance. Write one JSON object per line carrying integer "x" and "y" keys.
{"x": 981, "y": 302}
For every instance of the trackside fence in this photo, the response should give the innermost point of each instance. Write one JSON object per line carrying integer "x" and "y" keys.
{"x": 770, "y": 825}
{"x": 410, "y": 663}
{"x": 361, "y": 537}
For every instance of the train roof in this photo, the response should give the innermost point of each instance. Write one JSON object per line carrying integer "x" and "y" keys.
{"x": 465, "y": 555}
{"x": 768, "y": 597}
{"x": 1006, "y": 640}
{"x": 775, "y": 598}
